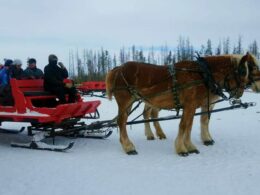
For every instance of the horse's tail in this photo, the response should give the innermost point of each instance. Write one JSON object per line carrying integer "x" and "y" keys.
{"x": 110, "y": 81}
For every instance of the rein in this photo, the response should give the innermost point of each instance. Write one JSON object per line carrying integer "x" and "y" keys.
{"x": 137, "y": 96}
{"x": 176, "y": 100}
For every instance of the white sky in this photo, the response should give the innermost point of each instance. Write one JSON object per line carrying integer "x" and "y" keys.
{"x": 37, "y": 28}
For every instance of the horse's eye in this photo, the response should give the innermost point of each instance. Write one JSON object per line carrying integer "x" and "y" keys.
{"x": 242, "y": 72}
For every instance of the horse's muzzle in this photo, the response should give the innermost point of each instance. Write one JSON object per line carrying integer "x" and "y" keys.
{"x": 256, "y": 87}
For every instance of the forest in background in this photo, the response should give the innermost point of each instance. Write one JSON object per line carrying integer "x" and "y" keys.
{"x": 92, "y": 65}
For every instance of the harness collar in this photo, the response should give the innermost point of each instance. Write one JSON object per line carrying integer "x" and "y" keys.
{"x": 208, "y": 78}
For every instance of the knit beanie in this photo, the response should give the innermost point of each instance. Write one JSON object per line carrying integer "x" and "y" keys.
{"x": 8, "y": 62}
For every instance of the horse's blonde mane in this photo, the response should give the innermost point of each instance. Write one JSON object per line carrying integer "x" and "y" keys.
{"x": 237, "y": 57}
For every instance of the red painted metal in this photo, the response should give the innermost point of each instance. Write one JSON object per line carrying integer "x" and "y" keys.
{"x": 25, "y": 110}
{"x": 92, "y": 86}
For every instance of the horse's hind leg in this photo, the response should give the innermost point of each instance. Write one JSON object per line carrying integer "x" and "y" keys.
{"x": 183, "y": 144}
{"x": 204, "y": 126}
{"x": 147, "y": 115}
{"x": 159, "y": 131}
{"x": 127, "y": 145}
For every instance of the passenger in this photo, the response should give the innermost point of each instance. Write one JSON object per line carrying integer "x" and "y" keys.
{"x": 16, "y": 70}
{"x": 32, "y": 72}
{"x": 4, "y": 73}
{"x": 6, "y": 98}
{"x": 54, "y": 74}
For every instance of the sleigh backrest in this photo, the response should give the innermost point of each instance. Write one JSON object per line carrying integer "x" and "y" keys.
{"x": 24, "y": 90}
{"x": 28, "y": 85}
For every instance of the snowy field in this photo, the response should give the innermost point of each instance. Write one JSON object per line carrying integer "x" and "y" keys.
{"x": 230, "y": 167}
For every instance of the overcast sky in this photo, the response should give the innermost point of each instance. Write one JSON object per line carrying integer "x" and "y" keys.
{"x": 36, "y": 28}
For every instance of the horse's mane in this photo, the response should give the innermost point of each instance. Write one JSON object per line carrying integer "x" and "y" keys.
{"x": 255, "y": 60}
{"x": 237, "y": 57}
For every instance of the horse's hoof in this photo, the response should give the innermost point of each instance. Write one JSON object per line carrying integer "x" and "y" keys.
{"x": 183, "y": 154}
{"x": 209, "y": 143}
{"x": 162, "y": 137}
{"x": 150, "y": 138}
{"x": 133, "y": 152}
{"x": 194, "y": 152}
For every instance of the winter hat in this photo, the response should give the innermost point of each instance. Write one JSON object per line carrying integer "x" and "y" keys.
{"x": 31, "y": 61}
{"x": 17, "y": 62}
{"x": 53, "y": 57}
{"x": 8, "y": 62}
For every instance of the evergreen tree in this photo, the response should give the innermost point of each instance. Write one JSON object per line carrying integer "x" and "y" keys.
{"x": 141, "y": 57}
{"x": 114, "y": 61}
{"x": 169, "y": 59}
{"x": 122, "y": 57}
{"x": 238, "y": 49}
{"x": 71, "y": 65}
{"x": 90, "y": 64}
{"x": 218, "y": 49}
{"x": 134, "y": 57}
{"x": 208, "y": 51}
{"x": 108, "y": 61}
{"x": 96, "y": 64}
{"x": 185, "y": 50}
{"x": 253, "y": 49}
{"x": 226, "y": 46}
{"x": 202, "y": 50}
{"x": 151, "y": 56}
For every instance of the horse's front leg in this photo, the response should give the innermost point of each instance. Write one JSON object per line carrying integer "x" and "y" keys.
{"x": 147, "y": 115}
{"x": 183, "y": 144}
{"x": 159, "y": 131}
{"x": 204, "y": 126}
{"x": 127, "y": 145}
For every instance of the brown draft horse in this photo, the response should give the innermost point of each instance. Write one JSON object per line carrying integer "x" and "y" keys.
{"x": 149, "y": 112}
{"x": 155, "y": 85}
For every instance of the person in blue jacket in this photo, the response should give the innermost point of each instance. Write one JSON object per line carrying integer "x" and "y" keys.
{"x": 4, "y": 73}
{"x": 6, "y": 98}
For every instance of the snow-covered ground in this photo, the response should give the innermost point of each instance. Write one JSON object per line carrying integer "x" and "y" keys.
{"x": 231, "y": 166}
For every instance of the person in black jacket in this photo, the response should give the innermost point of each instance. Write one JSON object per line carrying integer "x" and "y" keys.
{"x": 54, "y": 74}
{"x": 16, "y": 70}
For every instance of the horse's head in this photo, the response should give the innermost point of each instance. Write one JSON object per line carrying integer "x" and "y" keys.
{"x": 239, "y": 78}
{"x": 254, "y": 73}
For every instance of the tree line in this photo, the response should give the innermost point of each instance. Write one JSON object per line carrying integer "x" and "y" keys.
{"x": 92, "y": 65}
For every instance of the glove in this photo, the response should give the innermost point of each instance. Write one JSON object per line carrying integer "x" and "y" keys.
{"x": 68, "y": 85}
{"x": 61, "y": 65}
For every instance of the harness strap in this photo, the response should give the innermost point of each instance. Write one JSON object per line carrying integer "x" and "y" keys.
{"x": 209, "y": 81}
{"x": 174, "y": 89}
{"x": 132, "y": 90}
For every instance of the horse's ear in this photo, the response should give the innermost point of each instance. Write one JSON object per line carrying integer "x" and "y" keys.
{"x": 245, "y": 58}
{"x": 243, "y": 67}
{"x": 248, "y": 54}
